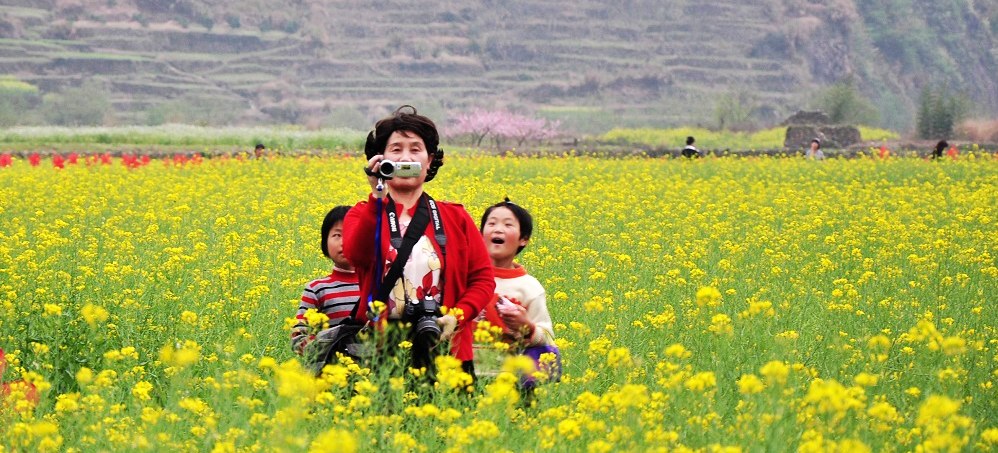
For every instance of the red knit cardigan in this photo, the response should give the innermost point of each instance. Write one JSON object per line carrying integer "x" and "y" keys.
{"x": 468, "y": 279}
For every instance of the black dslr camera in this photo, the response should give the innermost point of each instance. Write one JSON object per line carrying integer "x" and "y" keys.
{"x": 423, "y": 314}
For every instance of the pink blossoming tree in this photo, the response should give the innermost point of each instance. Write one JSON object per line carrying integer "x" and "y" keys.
{"x": 502, "y": 126}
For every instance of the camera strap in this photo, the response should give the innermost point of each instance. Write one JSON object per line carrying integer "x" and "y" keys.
{"x": 404, "y": 244}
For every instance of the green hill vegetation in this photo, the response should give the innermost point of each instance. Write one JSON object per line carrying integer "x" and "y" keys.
{"x": 593, "y": 65}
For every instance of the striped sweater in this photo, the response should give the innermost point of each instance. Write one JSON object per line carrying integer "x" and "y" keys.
{"x": 335, "y": 295}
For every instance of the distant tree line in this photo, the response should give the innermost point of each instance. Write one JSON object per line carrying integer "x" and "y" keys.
{"x": 939, "y": 111}
{"x": 22, "y": 103}
{"x": 89, "y": 104}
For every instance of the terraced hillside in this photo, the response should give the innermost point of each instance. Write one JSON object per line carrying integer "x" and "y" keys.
{"x": 592, "y": 63}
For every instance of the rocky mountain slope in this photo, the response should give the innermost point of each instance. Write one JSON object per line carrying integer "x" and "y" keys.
{"x": 590, "y": 63}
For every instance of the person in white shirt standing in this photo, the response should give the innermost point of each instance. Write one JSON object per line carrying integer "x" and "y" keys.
{"x": 815, "y": 152}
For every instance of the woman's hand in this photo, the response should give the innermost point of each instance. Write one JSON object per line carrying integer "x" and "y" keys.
{"x": 447, "y": 323}
{"x": 372, "y": 166}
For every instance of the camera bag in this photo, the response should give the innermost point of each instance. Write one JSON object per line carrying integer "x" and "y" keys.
{"x": 323, "y": 349}
{"x": 341, "y": 338}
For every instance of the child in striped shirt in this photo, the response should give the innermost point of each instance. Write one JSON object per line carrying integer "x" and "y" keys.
{"x": 335, "y": 295}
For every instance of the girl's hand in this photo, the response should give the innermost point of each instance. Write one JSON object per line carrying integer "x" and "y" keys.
{"x": 514, "y": 316}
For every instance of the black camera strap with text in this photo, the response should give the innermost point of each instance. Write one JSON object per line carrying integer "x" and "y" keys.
{"x": 404, "y": 244}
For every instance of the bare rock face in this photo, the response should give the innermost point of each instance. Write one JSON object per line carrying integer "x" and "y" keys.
{"x": 802, "y": 127}
{"x": 799, "y": 137}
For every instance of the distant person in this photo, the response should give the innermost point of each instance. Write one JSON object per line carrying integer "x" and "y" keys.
{"x": 690, "y": 151}
{"x": 940, "y": 147}
{"x": 815, "y": 152}
{"x": 259, "y": 151}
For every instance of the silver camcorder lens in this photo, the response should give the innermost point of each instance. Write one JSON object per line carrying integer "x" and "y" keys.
{"x": 386, "y": 169}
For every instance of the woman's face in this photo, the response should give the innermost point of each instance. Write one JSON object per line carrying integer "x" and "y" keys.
{"x": 405, "y": 146}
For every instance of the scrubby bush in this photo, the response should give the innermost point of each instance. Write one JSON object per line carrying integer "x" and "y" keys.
{"x": 845, "y": 104}
{"x": 86, "y": 105}
{"x": 16, "y": 98}
{"x": 978, "y": 131}
{"x": 733, "y": 110}
{"x": 195, "y": 110}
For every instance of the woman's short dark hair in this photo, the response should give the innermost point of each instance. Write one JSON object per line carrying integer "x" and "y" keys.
{"x": 402, "y": 120}
{"x": 521, "y": 214}
{"x": 690, "y": 140}
{"x": 334, "y": 216}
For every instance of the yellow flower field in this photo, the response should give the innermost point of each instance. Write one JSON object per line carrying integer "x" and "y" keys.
{"x": 710, "y": 305}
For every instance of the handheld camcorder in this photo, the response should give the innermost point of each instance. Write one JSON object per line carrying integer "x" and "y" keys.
{"x": 423, "y": 314}
{"x": 388, "y": 169}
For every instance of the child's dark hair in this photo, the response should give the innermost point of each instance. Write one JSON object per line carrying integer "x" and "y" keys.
{"x": 334, "y": 215}
{"x": 690, "y": 140}
{"x": 941, "y": 146}
{"x": 521, "y": 214}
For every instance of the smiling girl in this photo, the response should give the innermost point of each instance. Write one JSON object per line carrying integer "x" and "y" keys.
{"x": 520, "y": 307}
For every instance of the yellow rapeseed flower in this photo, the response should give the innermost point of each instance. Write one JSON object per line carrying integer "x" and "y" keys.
{"x": 749, "y": 384}
{"x": 701, "y": 381}
{"x": 189, "y": 317}
{"x": 180, "y": 355}
{"x": 708, "y": 296}
{"x": 866, "y": 379}
{"x": 721, "y": 324}
{"x": 52, "y": 310}
{"x": 141, "y": 390}
{"x": 678, "y": 351}
{"x": 775, "y": 371}
{"x": 619, "y": 357}
{"x": 93, "y": 314}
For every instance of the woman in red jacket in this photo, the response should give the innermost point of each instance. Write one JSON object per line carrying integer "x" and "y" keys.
{"x": 447, "y": 277}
